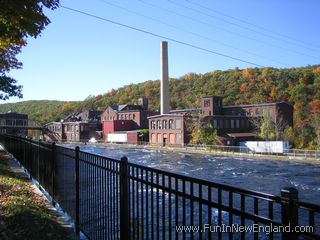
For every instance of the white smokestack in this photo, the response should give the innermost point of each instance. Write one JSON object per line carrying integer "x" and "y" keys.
{"x": 164, "y": 81}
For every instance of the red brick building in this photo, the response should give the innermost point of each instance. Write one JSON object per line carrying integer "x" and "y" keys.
{"x": 167, "y": 130}
{"x": 14, "y": 123}
{"x": 111, "y": 126}
{"x": 76, "y": 127}
{"x": 128, "y": 117}
{"x": 233, "y": 123}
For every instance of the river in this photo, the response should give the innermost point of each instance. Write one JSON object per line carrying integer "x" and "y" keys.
{"x": 268, "y": 176}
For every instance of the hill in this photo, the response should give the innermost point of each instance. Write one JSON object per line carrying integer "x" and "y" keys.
{"x": 40, "y": 111}
{"x": 299, "y": 86}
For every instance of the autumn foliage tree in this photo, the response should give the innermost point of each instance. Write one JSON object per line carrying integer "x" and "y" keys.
{"x": 315, "y": 119}
{"x": 18, "y": 21}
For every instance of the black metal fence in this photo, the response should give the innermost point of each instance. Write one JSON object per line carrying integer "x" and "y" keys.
{"x": 116, "y": 199}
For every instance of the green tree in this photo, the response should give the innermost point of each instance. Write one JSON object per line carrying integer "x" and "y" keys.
{"x": 204, "y": 134}
{"x": 19, "y": 20}
{"x": 266, "y": 127}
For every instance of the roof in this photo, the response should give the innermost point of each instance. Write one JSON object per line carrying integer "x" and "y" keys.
{"x": 239, "y": 135}
{"x": 126, "y": 107}
{"x": 165, "y": 115}
{"x": 209, "y": 96}
{"x": 186, "y": 110}
{"x": 256, "y": 105}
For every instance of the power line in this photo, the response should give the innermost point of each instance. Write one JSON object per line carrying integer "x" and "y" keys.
{"x": 160, "y": 36}
{"x": 243, "y": 27}
{"x": 226, "y": 30}
{"x": 190, "y": 32}
{"x": 255, "y": 25}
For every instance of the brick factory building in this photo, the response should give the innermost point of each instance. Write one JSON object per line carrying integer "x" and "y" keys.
{"x": 76, "y": 127}
{"x": 14, "y": 123}
{"x": 125, "y": 119}
{"x": 233, "y": 123}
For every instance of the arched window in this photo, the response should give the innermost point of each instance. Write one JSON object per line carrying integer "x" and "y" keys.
{"x": 171, "y": 124}
{"x": 164, "y": 124}
{"x": 153, "y": 125}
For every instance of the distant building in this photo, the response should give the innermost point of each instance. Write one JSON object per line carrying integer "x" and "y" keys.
{"x": 167, "y": 129}
{"x": 125, "y": 118}
{"x": 76, "y": 127}
{"x": 233, "y": 123}
{"x": 14, "y": 123}
{"x": 86, "y": 116}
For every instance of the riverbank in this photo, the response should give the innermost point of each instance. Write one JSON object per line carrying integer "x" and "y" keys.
{"x": 24, "y": 211}
{"x": 298, "y": 159}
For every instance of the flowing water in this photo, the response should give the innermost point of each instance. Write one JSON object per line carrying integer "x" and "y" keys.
{"x": 268, "y": 176}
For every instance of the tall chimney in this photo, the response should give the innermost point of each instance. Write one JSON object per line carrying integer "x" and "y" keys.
{"x": 164, "y": 85}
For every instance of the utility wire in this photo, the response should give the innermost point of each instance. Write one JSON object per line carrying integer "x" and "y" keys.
{"x": 190, "y": 32}
{"x": 160, "y": 36}
{"x": 240, "y": 26}
{"x": 225, "y": 30}
{"x": 254, "y": 25}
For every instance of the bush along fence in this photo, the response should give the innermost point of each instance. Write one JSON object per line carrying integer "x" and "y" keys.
{"x": 116, "y": 199}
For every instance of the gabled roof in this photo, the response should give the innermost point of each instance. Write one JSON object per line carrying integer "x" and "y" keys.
{"x": 126, "y": 107}
{"x": 257, "y": 105}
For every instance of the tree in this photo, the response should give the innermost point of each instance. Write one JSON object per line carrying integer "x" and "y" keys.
{"x": 201, "y": 130}
{"x": 18, "y": 21}
{"x": 269, "y": 128}
{"x": 315, "y": 120}
{"x": 205, "y": 135}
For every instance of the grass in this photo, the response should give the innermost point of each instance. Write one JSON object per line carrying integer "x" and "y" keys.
{"x": 23, "y": 213}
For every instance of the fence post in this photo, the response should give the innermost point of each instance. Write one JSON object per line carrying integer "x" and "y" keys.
{"x": 124, "y": 199}
{"x": 53, "y": 172}
{"x": 38, "y": 163}
{"x": 289, "y": 212}
{"x": 77, "y": 171}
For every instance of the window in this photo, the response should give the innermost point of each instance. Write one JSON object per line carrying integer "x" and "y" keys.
{"x": 237, "y": 123}
{"x": 8, "y": 122}
{"x": 206, "y": 103}
{"x": 178, "y": 124}
{"x": 232, "y": 123}
{"x": 133, "y": 116}
{"x": 153, "y": 125}
{"x": 171, "y": 124}
{"x": 215, "y": 125}
{"x": 226, "y": 123}
{"x": 164, "y": 124}
{"x": 158, "y": 124}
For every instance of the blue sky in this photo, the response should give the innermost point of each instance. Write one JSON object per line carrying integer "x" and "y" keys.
{"x": 77, "y": 55}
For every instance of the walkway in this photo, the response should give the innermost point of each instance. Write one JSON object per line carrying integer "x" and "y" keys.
{"x": 24, "y": 211}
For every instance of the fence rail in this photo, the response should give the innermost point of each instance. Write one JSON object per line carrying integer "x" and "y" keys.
{"x": 117, "y": 199}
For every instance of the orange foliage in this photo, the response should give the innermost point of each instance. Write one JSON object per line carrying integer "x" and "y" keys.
{"x": 273, "y": 94}
{"x": 297, "y": 106}
{"x": 243, "y": 87}
{"x": 315, "y": 107}
{"x": 247, "y": 73}
{"x": 317, "y": 71}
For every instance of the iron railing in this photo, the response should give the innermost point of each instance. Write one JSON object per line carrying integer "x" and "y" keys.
{"x": 116, "y": 199}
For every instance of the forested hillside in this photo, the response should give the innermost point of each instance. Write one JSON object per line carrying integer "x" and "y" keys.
{"x": 42, "y": 111}
{"x": 298, "y": 86}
